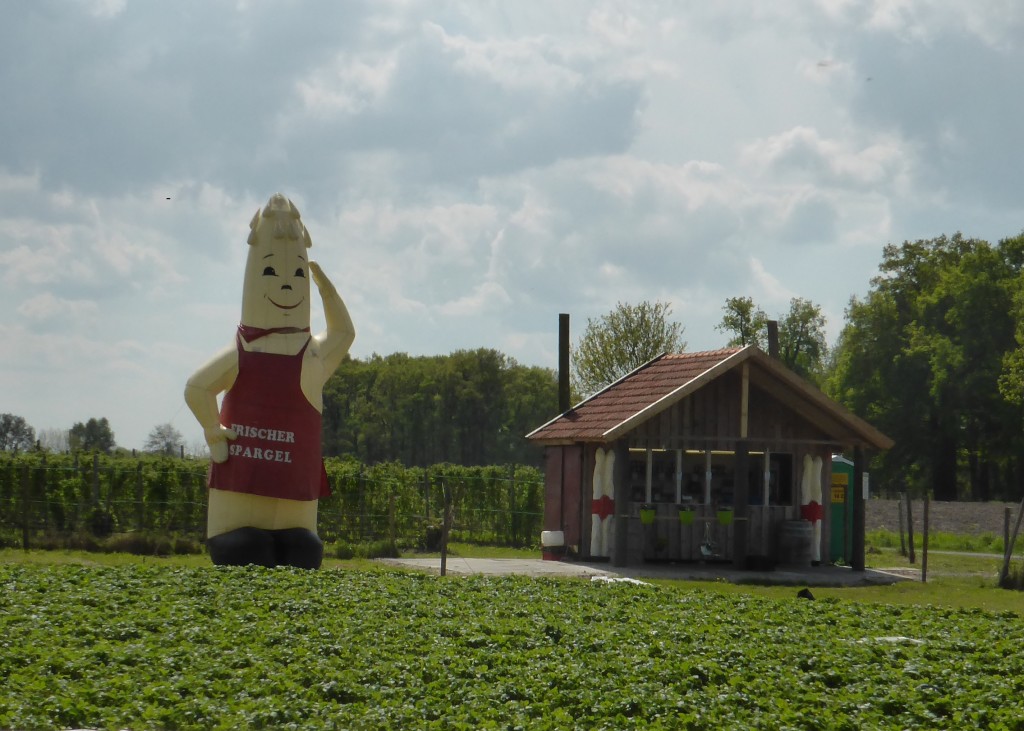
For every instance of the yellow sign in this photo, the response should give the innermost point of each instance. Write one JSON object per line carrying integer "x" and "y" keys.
{"x": 839, "y": 494}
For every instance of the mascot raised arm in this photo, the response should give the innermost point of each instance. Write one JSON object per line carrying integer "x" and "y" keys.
{"x": 266, "y": 469}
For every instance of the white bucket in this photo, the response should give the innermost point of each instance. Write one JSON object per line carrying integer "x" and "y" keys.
{"x": 552, "y": 543}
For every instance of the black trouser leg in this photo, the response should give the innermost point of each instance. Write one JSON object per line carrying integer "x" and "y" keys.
{"x": 298, "y": 547}
{"x": 241, "y": 547}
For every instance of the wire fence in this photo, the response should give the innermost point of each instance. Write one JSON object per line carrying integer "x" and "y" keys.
{"x": 48, "y": 500}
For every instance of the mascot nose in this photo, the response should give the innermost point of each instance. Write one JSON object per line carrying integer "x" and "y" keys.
{"x": 286, "y": 286}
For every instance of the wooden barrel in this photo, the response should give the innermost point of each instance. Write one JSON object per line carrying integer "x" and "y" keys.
{"x": 795, "y": 543}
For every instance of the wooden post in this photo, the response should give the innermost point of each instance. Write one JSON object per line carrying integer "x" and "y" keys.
{"x": 857, "y": 559}
{"x": 426, "y": 495}
{"x": 910, "y": 528}
{"x": 189, "y": 513}
{"x": 649, "y": 477}
{"x": 744, "y": 399}
{"x": 903, "y": 540}
{"x": 392, "y": 527}
{"x": 24, "y": 508}
{"x": 140, "y": 510}
{"x": 741, "y": 505}
{"x": 445, "y": 525}
{"x": 44, "y": 494}
{"x": 1006, "y": 527}
{"x": 361, "y": 486}
{"x": 620, "y": 490}
{"x": 707, "y": 476}
{"x": 1004, "y": 572}
{"x": 512, "y": 507}
{"x": 924, "y": 543}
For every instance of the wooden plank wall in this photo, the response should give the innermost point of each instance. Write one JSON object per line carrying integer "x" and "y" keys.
{"x": 710, "y": 419}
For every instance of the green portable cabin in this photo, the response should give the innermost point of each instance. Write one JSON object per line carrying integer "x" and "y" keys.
{"x": 841, "y": 509}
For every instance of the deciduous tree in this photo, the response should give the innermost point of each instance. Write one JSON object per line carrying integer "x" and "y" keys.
{"x": 745, "y": 321}
{"x": 802, "y": 344}
{"x": 54, "y": 440}
{"x": 472, "y": 407}
{"x": 924, "y": 356}
{"x": 15, "y": 433}
{"x": 95, "y": 435}
{"x": 621, "y": 341}
{"x": 164, "y": 439}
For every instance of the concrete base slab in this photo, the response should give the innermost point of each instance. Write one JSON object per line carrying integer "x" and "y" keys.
{"x": 811, "y": 576}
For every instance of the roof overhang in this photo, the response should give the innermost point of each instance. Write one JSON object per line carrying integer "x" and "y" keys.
{"x": 767, "y": 373}
{"x": 675, "y": 396}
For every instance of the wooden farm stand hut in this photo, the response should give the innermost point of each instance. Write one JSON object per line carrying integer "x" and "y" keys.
{"x": 723, "y": 455}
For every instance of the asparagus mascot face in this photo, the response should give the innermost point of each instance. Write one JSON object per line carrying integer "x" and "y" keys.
{"x": 266, "y": 471}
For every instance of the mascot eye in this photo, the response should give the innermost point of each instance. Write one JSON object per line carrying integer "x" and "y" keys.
{"x": 300, "y": 273}
{"x": 269, "y": 272}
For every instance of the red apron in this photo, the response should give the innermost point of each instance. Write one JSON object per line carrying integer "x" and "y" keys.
{"x": 277, "y": 452}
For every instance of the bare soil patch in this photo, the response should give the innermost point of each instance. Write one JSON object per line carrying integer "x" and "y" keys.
{"x": 943, "y": 517}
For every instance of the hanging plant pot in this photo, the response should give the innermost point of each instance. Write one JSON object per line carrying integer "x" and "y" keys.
{"x": 686, "y": 516}
{"x": 647, "y": 514}
{"x": 725, "y": 516}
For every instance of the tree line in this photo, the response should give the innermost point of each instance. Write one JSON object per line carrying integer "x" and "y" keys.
{"x": 932, "y": 355}
{"x": 472, "y": 407}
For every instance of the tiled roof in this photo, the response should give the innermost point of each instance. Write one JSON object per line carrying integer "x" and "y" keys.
{"x": 655, "y": 386}
{"x": 632, "y": 394}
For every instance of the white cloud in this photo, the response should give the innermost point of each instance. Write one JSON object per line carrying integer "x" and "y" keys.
{"x": 348, "y": 85}
{"x": 15, "y": 182}
{"x": 47, "y": 306}
{"x": 482, "y": 297}
{"x": 770, "y": 289}
{"x": 533, "y": 63}
{"x": 616, "y": 26}
{"x": 469, "y": 170}
{"x": 106, "y": 9}
{"x": 803, "y": 151}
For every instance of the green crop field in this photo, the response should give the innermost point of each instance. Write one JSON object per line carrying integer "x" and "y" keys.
{"x": 161, "y": 647}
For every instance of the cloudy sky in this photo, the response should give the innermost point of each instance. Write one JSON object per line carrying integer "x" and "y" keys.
{"x": 470, "y": 169}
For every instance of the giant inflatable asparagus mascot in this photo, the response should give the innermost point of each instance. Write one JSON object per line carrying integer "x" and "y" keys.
{"x": 266, "y": 469}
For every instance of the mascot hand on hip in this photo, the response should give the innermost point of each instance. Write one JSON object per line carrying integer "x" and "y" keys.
{"x": 266, "y": 469}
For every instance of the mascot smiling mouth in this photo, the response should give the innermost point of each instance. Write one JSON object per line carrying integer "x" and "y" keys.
{"x": 285, "y": 307}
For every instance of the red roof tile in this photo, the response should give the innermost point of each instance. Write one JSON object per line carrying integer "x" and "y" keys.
{"x": 656, "y": 385}
{"x": 630, "y": 395}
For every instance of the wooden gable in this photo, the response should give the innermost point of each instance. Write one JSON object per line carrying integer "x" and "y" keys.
{"x": 709, "y": 400}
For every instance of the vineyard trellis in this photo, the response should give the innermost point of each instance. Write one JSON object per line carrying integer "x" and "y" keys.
{"x": 45, "y": 496}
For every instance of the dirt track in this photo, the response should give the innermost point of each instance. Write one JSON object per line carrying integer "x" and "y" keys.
{"x": 961, "y": 518}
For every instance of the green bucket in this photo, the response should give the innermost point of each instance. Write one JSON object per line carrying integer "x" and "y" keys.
{"x": 725, "y": 517}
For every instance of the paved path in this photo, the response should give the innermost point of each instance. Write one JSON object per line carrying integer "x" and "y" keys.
{"x": 811, "y": 576}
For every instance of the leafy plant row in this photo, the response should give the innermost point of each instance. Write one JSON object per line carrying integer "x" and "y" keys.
{"x": 46, "y": 495}
{"x": 151, "y": 647}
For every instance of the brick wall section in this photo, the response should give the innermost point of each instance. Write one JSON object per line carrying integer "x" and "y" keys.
{"x": 962, "y": 518}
